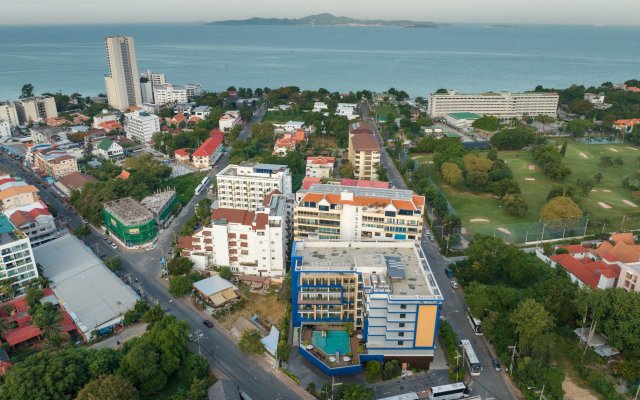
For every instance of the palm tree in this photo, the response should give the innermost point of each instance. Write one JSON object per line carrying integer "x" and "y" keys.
{"x": 48, "y": 317}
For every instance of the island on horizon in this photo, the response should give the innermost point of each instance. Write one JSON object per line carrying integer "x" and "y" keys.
{"x": 326, "y": 19}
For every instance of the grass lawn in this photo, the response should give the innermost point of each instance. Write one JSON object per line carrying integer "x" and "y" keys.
{"x": 324, "y": 141}
{"x": 282, "y": 116}
{"x": 583, "y": 159}
{"x": 185, "y": 185}
{"x": 383, "y": 111}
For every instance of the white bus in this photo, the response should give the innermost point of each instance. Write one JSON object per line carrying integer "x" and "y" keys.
{"x": 204, "y": 181}
{"x": 199, "y": 189}
{"x": 475, "y": 323}
{"x": 453, "y": 391}
{"x": 469, "y": 358}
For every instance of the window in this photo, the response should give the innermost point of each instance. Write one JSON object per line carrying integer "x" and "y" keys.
{"x": 401, "y": 324}
{"x": 401, "y": 334}
{"x": 403, "y": 306}
{"x": 400, "y": 342}
{"x": 403, "y": 316}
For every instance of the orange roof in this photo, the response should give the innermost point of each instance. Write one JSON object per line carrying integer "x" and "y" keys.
{"x": 214, "y": 132}
{"x": 124, "y": 175}
{"x": 307, "y": 181}
{"x": 416, "y": 204}
{"x": 17, "y": 190}
{"x": 589, "y": 272}
{"x": 194, "y": 118}
{"x": 183, "y": 152}
{"x": 575, "y": 248}
{"x": 21, "y": 334}
{"x": 110, "y": 125}
{"x": 300, "y": 136}
{"x": 178, "y": 118}
{"x": 627, "y": 122}
{"x": 19, "y": 218}
{"x": 619, "y": 252}
{"x": 625, "y": 237}
{"x": 208, "y": 146}
{"x": 285, "y": 142}
{"x": 365, "y": 142}
{"x": 633, "y": 89}
{"x": 321, "y": 160}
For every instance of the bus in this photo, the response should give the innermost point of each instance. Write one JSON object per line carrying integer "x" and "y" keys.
{"x": 199, "y": 189}
{"x": 453, "y": 391}
{"x": 475, "y": 323}
{"x": 469, "y": 357}
{"x": 204, "y": 181}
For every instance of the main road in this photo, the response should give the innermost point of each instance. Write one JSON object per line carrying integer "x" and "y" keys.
{"x": 491, "y": 383}
{"x": 144, "y": 268}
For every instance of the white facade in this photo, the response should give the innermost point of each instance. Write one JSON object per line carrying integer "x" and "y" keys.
{"x": 107, "y": 149}
{"x": 594, "y": 98}
{"x": 319, "y": 106}
{"x": 17, "y": 260}
{"x": 229, "y": 120}
{"x": 36, "y": 109}
{"x": 146, "y": 90}
{"x": 319, "y": 167}
{"x": 140, "y": 126}
{"x": 105, "y": 116}
{"x": 5, "y": 129}
{"x": 122, "y": 80}
{"x": 348, "y": 110}
{"x": 167, "y": 93}
{"x": 193, "y": 90}
{"x": 504, "y": 105}
{"x": 251, "y": 243}
{"x": 35, "y": 221}
{"x": 9, "y": 113}
{"x": 244, "y": 186}
{"x": 293, "y": 126}
{"x": 201, "y": 111}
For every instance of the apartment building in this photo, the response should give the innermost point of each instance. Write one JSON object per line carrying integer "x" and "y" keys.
{"x": 244, "y": 186}
{"x": 385, "y": 289}
{"x": 504, "y": 105}
{"x": 122, "y": 80}
{"x": 18, "y": 195}
{"x": 330, "y": 212}
{"x": 9, "y": 113}
{"x": 16, "y": 261}
{"x": 55, "y": 163}
{"x": 319, "y": 167}
{"x": 248, "y": 242}
{"x": 193, "y": 90}
{"x": 364, "y": 151}
{"x": 168, "y": 93}
{"x": 5, "y": 129}
{"x": 140, "y": 126}
{"x": 229, "y": 120}
{"x": 35, "y": 221}
{"x": 36, "y": 109}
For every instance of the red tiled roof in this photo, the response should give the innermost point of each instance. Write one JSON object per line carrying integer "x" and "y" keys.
{"x": 360, "y": 127}
{"x": 365, "y": 142}
{"x": 124, "y": 175}
{"x": 587, "y": 273}
{"x": 232, "y": 215}
{"x": 575, "y": 248}
{"x": 321, "y": 160}
{"x": 182, "y": 152}
{"x": 21, "y": 334}
{"x": 625, "y": 237}
{"x": 285, "y": 142}
{"x": 19, "y": 218}
{"x": 178, "y": 118}
{"x": 307, "y": 181}
{"x": 185, "y": 242}
{"x": 4, "y": 367}
{"x": 6, "y": 180}
{"x": 620, "y": 251}
{"x": 208, "y": 146}
{"x": 76, "y": 180}
{"x": 110, "y": 125}
{"x": 416, "y": 204}
{"x": 627, "y": 122}
{"x": 267, "y": 198}
{"x": 215, "y": 132}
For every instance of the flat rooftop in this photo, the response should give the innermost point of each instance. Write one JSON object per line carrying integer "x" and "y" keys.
{"x": 128, "y": 211}
{"x": 8, "y": 233}
{"x": 393, "y": 194}
{"x": 158, "y": 201}
{"x": 250, "y": 168}
{"x": 398, "y": 267}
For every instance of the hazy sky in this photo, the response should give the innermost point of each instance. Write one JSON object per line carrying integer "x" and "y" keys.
{"x": 605, "y": 12}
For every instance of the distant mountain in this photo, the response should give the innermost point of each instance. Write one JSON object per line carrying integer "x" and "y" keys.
{"x": 325, "y": 19}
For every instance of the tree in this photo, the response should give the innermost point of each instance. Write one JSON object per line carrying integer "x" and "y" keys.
{"x": 531, "y": 323}
{"x": 142, "y": 364}
{"x": 515, "y": 204}
{"x": 562, "y": 190}
{"x": 451, "y": 173}
{"x": 48, "y": 317}
{"x": 82, "y": 230}
{"x": 560, "y": 208}
{"x": 153, "y": 315}
{"x": 179, "y": 265}
{"x": 492, "y": 154}
{"x": 373, "y": 371}
{"x": 513, "y": 138}
{"x": 487, "y": 123}
{"x": 346, "y": 171}
{"x": 225, "y": 273}
{"x": 391, "y": 370}
{"x": 598, "y": 177}
{"x": 578, "y": 127}
{"x": 585, "y": 185}
{"x": 26, "y": 91}
{"x": 108, "y": 387}
{"x": 180, "y": 285}
{"x": 250, "y": 342}
{"x": 381, "y": 172}
{"x": 34, "y": 294}
{"x": 354, "y": 391}
{"x": 606, "y": 161}
{"x": 113, "y": 263}
{"x": 563, "y": 150}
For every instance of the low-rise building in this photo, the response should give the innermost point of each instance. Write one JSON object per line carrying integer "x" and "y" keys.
{"x": 74, "y": 181}
{"x": 385, "y": 290}
{"x": 201, "y": 111}
{"x": 208, "y": 153}
{"x": 293, "y": 126}
{"x": 349, "y": 110}
{"x": 461, "y": 119}
{"x": 216, "y": 291}
{"x": 103, "y": 117}
{"x": 130, "y": 222}
{"x": 587, "y": 272}
{"x": 55, "y": 163}
{"x": 182, "y": 155}
{"x": 17, "y": 261}
{"x": 107, "y": 149}
{"x": 244, "y": 186}
{"x": 326, "y": 211}
{"x": 319, "y": 106}
{"x": 141, "y": 126}
{"x": 248, "y": 242}
{"x": 229, "y": 120}
{"x": 160, "y": 204}
{"x": 36, "y": 109}
{"x": 284, "y": 145}
{"x": 626, "y": 125}
{"x": 18, "y": 196}
{"x": 320, "y": 167}
{"x": 35, "y": 221}
{"x": 48, "y": 134}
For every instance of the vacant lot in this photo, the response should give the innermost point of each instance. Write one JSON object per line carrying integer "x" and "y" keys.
{"x": 266, "y": 306}
{"x": 608, "y": 200}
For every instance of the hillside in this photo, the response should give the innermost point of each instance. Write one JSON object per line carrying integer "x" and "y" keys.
{"x": 325, "y": 19}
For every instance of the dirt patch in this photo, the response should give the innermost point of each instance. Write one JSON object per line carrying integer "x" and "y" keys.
{"x": 478, "y": 220}
{"x": 529, "y": 179}
{"x": 532, "y": 167}
{"x": 614, "y": 150}
{"x": 583, "y": 155}
{"x": 504, "y": 230}
{"x": 630, "y": 203}
{"x": 575, "y": 392}
{"x": 266, "y": 306}
{"x": 606, "y": 190}
{"x": 603, "y": 204}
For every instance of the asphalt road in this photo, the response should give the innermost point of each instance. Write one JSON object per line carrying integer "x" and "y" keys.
{"x": 144, "y": 267}
{"x": 490, "y": 384}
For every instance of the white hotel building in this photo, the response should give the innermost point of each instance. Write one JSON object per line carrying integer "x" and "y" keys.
{"x": 140, "y": 126}
{"x": 245, "y": 186}
{"x": 504, "y": 105}
{"x": 168, "y": 93}
{"x": 16, "y": 260}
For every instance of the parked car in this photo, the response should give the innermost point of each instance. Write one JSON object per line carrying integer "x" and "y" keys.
{"x": 431, "y": 239}
{"x": 448, "y": 272}
{"x": 454, "y": 284}
{"x": 208, "y": 323}
{"x": 114, "y": 246}
{"x": 496, "y": 364}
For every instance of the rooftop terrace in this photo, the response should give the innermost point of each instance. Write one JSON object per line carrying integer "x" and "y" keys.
{"x": 393, "y": 194}
{"x": 128, "y": 211}
{"x": 8, "y": 233}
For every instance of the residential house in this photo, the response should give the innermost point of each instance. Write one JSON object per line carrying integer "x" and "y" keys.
{"x": 201, "y": 111}
{"x": 587, "y": 272}
{"x": 626, "y": 125}
{"x": 208, "y": 153}
{"x": 105, "y": 116}
{"x": 74, "y": 181}
{"x": 18, "y": 196}
{"x": 182, "y": 155}
{"x": 35, "y": 221}
{"x": 320, "y": 167}
{"x": 229, "y": 120}
{"x": 216, "y": 291}
{"x": 349, "y": 110}
{"x": 293, "y": 126}
{"x": 108, "y": 149}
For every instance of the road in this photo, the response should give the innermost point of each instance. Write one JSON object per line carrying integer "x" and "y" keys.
{"x": 222, "y": 353}
{"x": 490, "y": 384}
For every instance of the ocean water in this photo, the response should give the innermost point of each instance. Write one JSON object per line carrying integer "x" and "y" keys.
{"x": 464, "y": 57}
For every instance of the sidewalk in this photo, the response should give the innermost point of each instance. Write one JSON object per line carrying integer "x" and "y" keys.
{"x": 116, "y": 341}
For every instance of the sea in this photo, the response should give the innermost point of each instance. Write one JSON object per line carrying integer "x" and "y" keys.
{"x": 465, "y": 57}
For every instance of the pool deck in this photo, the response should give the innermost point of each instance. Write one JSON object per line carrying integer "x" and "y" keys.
{"x": 354, "y": 342}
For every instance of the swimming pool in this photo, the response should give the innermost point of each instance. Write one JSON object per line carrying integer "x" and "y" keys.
{"x": 331, "y": 342}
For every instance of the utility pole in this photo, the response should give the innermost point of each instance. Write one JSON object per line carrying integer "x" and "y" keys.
{"x": 513, "y": 355}
{"x": 458, "y": 357}
{"x": 199, "y": 336}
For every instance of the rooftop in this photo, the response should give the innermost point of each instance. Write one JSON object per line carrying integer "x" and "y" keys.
{"x": 8, "y": 233}
{"x": 76, "y": 180}
{"x": 359, "y": 191}
{"x": 209, "y": 146}
{"x": 397, "y": 267}
{"x": 365, "y": 142}
{"x": 464, "y": 115}
{"x": 128, "y": 211}
{"x": 252, "y": 168}
{"x": 158, "y": 201}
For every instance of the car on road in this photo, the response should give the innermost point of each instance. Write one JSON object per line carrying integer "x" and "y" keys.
{"x": 105, "y": 238}
{"x": 114, "y": 246}
{"x": 496, "y": 364}
{"x": 431, "y": 239}
{"x": 84, "y": 221}
{"x": 207, "y": 323}
{"x": 454, "y": 284}
{"x": 449, "y": 273}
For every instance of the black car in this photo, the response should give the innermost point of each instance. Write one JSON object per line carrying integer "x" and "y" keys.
{"x": 496, "y": 364}
{"x": 448, "y": 272}
{"x": 208, "y": 323}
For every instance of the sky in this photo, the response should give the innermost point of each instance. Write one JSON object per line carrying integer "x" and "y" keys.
{"x": 581, "y": 12}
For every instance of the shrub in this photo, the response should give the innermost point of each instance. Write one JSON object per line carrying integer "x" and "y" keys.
{"x": 373, "y": 371}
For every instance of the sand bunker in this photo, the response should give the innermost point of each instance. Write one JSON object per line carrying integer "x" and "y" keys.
{"x": 630, "y": 203}
{"x": 594, "y": 190}
{"x": 603, "y": 205}
{"x": 606, "y": 190}
{"x": 614, "y": 150}
{"x": 632, "y": 148}
{"x": 532, "y": 167}
{"x": 583, "y": 155}
{"x": 529, "y": 179}
{"x": 504, "y": 230}
{"x": 478, "y": 220}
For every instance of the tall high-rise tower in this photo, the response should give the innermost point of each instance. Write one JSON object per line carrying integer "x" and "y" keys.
{"x": 122, "y": 81}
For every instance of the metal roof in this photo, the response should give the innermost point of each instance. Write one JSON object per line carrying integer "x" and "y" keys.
{"x": 213, "y": 285}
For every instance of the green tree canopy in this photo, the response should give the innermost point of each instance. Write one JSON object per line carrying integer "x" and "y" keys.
{"x": 108, "y": 387}
{"x": 250, "y": 342}
{"x": 560, "y": 208}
